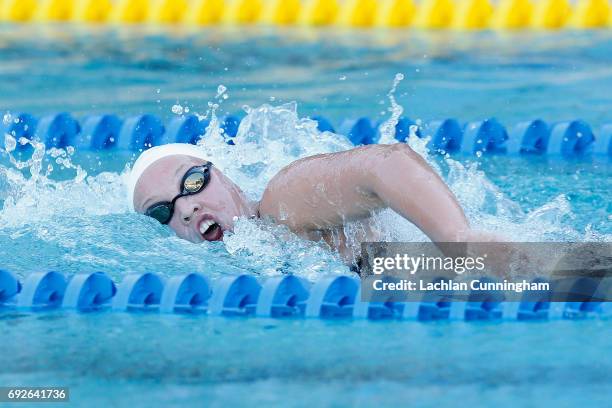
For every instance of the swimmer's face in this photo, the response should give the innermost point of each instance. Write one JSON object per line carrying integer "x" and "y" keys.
{"x": 203, "y": 216}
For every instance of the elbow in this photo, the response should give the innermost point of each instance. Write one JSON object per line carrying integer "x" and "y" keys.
{"x": 394, "y": 160}
{"x": 404, "y": 161}
{"x": 403, "y": 151}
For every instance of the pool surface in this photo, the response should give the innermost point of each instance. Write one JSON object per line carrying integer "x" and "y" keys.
{"x": 73, "y": 218}
{"x": 135, "y": 360}
{"x": 470, "y": 76}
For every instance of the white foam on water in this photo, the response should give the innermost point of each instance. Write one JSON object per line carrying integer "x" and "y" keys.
{"x": 82, "y": 223}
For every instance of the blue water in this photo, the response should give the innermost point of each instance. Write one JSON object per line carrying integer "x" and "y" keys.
{"x": 127, "y": 360}
{"x": 73, "y": 217}
{"x": 515, "y": 77}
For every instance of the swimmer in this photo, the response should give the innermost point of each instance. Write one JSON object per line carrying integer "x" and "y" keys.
{"x": 313, "y": 196}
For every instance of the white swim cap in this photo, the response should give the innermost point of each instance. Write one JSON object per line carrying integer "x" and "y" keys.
{"x": 150, "y": 156}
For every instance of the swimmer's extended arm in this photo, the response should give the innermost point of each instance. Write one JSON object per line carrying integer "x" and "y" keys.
{"x": 323, "y": 191}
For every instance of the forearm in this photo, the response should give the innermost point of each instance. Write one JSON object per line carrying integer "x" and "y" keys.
{"x": 407, "y": 184}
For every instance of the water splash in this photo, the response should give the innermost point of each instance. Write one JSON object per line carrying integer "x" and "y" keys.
{"x": 81, "y": 223}
{"x": 387, "y": 128}
{"x": 268, "y": 139}
{"x": 266, "y": 247}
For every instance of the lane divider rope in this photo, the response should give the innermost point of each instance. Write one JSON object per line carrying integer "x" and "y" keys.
{"x": 569, "y": 139}
{"x": 331, "y": 297}
{"x": 425, "y": 14}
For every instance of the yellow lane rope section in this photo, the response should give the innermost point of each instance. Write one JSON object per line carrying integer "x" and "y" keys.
{"x": 424, "y": 14}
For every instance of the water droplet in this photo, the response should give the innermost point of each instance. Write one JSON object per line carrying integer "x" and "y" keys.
{"x": 9, "y": 142}
{"x": 342, "y": 78}
{"x": 387, "y": 128}
{"x": 221, "y": 92}
{"x": 177, "y": 109}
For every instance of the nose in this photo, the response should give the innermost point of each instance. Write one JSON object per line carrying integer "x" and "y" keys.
{"x": 186, "y": 209}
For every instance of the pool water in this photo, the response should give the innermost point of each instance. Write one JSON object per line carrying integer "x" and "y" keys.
{"x": 336, "y": 73}
{"x": 72, "y": 216}
{"x": 144, "y": 360}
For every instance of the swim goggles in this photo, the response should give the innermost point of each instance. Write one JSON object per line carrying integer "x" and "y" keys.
{"x": 194, "y": 181}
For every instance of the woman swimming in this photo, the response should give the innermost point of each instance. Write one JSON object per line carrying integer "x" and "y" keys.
{"x": 313, "y": 196}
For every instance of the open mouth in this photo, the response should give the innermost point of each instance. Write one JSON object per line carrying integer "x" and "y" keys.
{"x": 210, "y": 230}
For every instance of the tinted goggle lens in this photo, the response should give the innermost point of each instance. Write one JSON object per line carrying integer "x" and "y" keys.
{"x": 161, "y": 212}
{"x": 194, "y": 182}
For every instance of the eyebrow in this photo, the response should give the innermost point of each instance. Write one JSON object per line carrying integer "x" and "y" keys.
{"x": 179, "y": 170}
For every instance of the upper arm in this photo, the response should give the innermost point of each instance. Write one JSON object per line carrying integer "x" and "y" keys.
{"x": 320, "y": 192}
